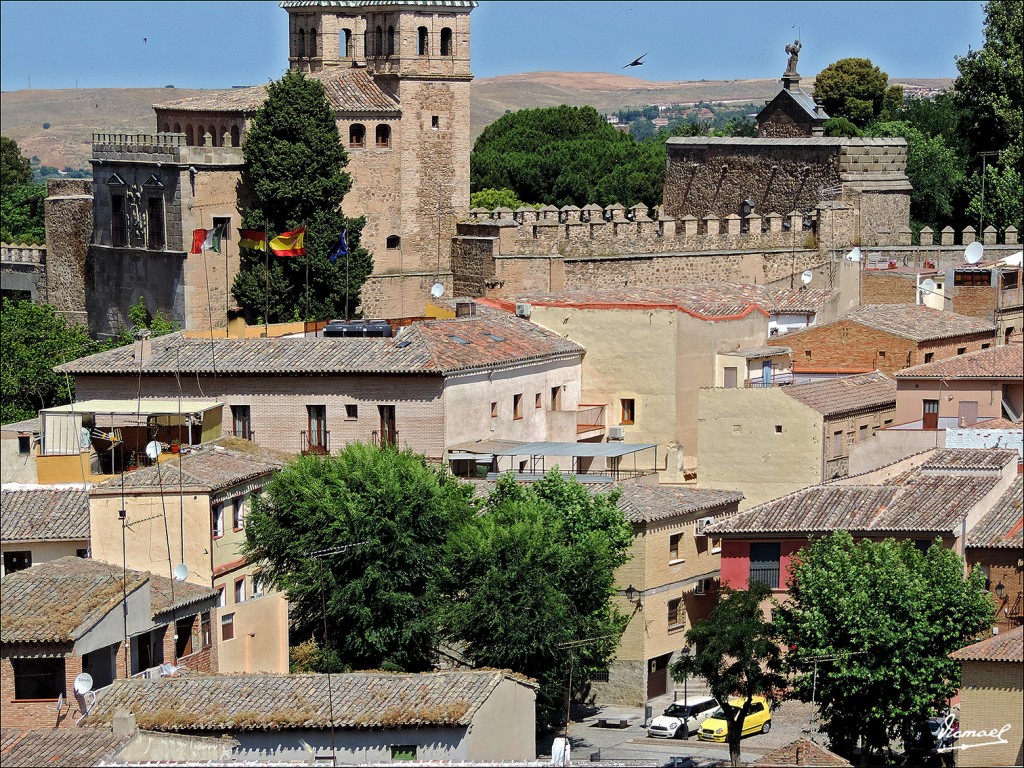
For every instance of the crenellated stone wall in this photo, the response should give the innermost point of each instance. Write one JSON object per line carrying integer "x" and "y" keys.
{"x": 23, "y": 272}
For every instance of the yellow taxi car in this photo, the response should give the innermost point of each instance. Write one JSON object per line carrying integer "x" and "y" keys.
{"x": 758, "y": 720}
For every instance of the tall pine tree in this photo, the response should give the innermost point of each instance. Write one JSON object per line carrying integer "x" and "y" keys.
{"x": 294, "y": 175}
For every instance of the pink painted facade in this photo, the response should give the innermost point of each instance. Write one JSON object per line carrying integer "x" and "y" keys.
{"x": 736, "y": 561}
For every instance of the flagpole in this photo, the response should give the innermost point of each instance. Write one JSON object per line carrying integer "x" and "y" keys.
{"x": 306, "y": 255}
{"x": 348, "y": 255}
{"x": 227, "y": 290}
{"x": 266, "y": 274}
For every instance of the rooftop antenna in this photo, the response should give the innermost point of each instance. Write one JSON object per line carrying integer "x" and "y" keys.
{"x": 974, "y": 252}
{"x": 437, "y": 290}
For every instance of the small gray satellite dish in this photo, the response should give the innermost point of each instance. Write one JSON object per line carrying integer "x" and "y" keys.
{"x": 180, "y": 572}
{"x": 437, "y": 290}
{"x": 854, "y": 255}
{"x": 806, "y": 277}
{"x": 153, "y": 449}
{"x": 928, "y": 285}
{"x": 974, "y": 252}
{"x": 83, "y": 683}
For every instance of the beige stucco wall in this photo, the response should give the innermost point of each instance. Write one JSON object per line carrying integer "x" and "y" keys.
{"x": 504, "y": 728}
{"x": 889, "y": 445}
{"x": 741, "y": 450}
{"x": 260, "y": 643}
{"x": 43, "y": 551}
{"x": 991, "y": 698}
{"x": 949, "y": 392}
{"x": 16, "y": 467}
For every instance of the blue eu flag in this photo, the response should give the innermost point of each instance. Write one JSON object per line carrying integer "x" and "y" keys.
{"x": 340, "y": 248}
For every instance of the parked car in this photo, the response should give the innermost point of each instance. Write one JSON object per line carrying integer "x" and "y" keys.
{"x": 682, "y": 718}
{"x": 939, "y": 733}
{"x": 758, "y": 720}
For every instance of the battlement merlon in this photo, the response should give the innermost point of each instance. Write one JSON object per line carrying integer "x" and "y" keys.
{"x": 161, "y": 148}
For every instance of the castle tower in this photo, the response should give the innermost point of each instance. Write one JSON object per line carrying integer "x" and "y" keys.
{"x": 409, "y": 164}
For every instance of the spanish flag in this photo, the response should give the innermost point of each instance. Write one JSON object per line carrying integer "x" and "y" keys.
{"x": 289, "y": 243}
{"x": 252, "y": 238}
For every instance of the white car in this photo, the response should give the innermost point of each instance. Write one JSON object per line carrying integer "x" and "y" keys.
{"x": 682, "y": 718}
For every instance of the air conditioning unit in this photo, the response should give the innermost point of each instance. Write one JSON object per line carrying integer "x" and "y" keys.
{"x": 702, "y": 587}
{"x": 616, "y": 433}
{"x": 523, "y": 309}
{"x": 702, "y": 523}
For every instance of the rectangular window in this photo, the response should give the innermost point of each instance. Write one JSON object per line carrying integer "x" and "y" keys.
{"x": 673, "y": 546}
{"x": 731, "y": 377}
{"x": 218, "y": 520}
{"x": 862, "y": 433}
{"x": 403, "y": 753}
{"x": 537, "y": 402}
{"x": 227, "y": 626}
{"x": 961, "y": 350}
{"x": 494, "y": 410}
{"x": 222, "y": 599}
{"x": 316, "y": 441}
{"x": 351, "y": 411}
{"x": 238, "y": 513}
{"x": 40, "y": 678}
{"x": 556, "y": 398}
{"x": 764, "y": 563}
{"x": 17, "y": 561}
{"x": 241, "y": 421}
{"x": 204, "y": 630}
{"x": 807, "y": 353}
{"x": 974, "y": 278}
{"x": 82, "y": 553}
{"x": 118, "y": 221}
{"x": 1009, "y": 280}
{"x": 986, "y": 345}
{"x": 628, "y": 411}
{"x": 517, "y": 406}
{"x": 778, "y": 429}
{"x": 675, "y": 613}
{"x": 837, "y": 444}
{"x": 24, "y": 445}
{"x": 155, "y": 224}
{"x": 257, "y": 587}
{"x": 240, "y": 590}
{"x": 183, "y": 645}
{"x": 881, "y": 354}
{"x": 929, "y": 356}
{"x": 224, "y": 223}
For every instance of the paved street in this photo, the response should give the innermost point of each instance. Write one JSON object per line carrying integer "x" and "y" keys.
{"x": 631, "y": 743}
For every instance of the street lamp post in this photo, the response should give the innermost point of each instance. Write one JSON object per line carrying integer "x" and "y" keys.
{"x": 686, "y": 697}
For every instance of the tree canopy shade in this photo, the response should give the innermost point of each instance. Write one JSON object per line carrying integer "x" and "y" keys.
{"x": 21, "y": 201}
{"x": 379, "y": 603}
{"x": 294, "y": 177}
{"x": 738, "y": 654}
{"x": 527, "y": 585}
{"x": 852, "y": 88}
{"x": 885, "y": 615}
{"x": 566, "y": 156}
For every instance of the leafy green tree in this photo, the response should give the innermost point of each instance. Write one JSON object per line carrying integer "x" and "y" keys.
{"x": 21, "y": 201}
{"x": 886, "y": 616}
{"x": 563, "y": 156}
{"x": 1003, "y": 204}
{"x": 934, "y": 169}
{"x": 738, "y": 125}
{"x": 990, "y": 88}
{"x": 379, "y": 603}
{"x": 293, "y": 170}
{"x": 531, "y": 578}
{"x": 852, "y": 88}
{"x": 738, "y": 654}
{"x": 642, "y": 129}
{"x": 495, "y": 198}
{"x": 35, "y": 339}
{"x": 840, "y": 126}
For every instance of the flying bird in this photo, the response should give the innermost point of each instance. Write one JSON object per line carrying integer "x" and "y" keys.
{"x": 145, "y": 40}
{"x": 637, "y": 62}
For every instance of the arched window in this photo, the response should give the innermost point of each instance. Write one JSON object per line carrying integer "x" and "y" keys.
{"x": 391, "y": 41}
{"x": 383, "y": 136}
{"x": 302, "y": 44}
{"x": 422, "y": 47}
{"x": 189, "y": 136}
{"x": 345, "y": 43}
{"x": 236, "y": 138}
{"x": 312, "y": 43}
{"x": 177, "y": 128}
{"x": 166, "y": 128}
{"x": 446, "y": 41}
{"x": 221, "y": 135}
{"x": 378, "y": 41}
{"x": 356, "y": 135}
{"x": 393, "y": 242}
{"x": 200, "y": 136}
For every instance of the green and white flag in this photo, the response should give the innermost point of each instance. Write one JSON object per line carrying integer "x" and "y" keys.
{"x": 212, "y": 241}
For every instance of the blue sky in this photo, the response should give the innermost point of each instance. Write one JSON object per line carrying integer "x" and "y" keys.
{"x": 220, "y": 44}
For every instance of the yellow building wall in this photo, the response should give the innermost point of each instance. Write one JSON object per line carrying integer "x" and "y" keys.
{"x": 260, "y": 643}
{"x": 991, "y": 697}
{"x": 742, "y": 449}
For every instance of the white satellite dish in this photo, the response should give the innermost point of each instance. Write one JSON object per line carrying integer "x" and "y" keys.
{"x": 437, "y": 290}
{"x": 854, "y": 255}
{"x": 83, "y": 683}
{"x": 180, "y": 572}
{"x": 974, "y": 252}
{"x": 153, "y": 449}
{"x": 928, "y": 285}
{"x": 806, "y": 277}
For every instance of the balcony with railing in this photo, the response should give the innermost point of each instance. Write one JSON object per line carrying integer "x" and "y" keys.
{"x": 590, "y": 419}
{"x": 314, "y": 443}
{"x": 387, "y": 438}
{"x": 767, "y": 575}
{"x": 777, "y": 379}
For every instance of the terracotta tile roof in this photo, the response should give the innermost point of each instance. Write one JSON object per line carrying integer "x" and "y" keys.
{"x": 928, "y": 499}
{"x": 1005, "y": 362}
{"x": 1003, "y": 526}
{"x": 1006, "y": 646}
{"x": 434, "y": 347}
{"x": 28, "y": 425}
{"x": 800, "y": 753}
{"x": 60, "y": 600}
{"x": 847, "y": 394}
{"x": 1000, "y": 423}
{"x": 917, "y": 322}
{"x": 347, "y": 90}
{"x": 705, "y": 301}
{"x": 208, "y": 468}
{"x": 264, "y": 702}
{"x": 59, "y": 747}
{"x": 41, "y": 514}
{"x": 649, "y": 503}
{"x": 969, "y": 459}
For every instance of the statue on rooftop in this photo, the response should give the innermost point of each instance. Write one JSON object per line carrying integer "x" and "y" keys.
{"x": 794, "y": 54}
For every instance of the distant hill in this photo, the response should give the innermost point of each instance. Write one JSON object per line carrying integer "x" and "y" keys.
{"x": 74, "y": 114}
